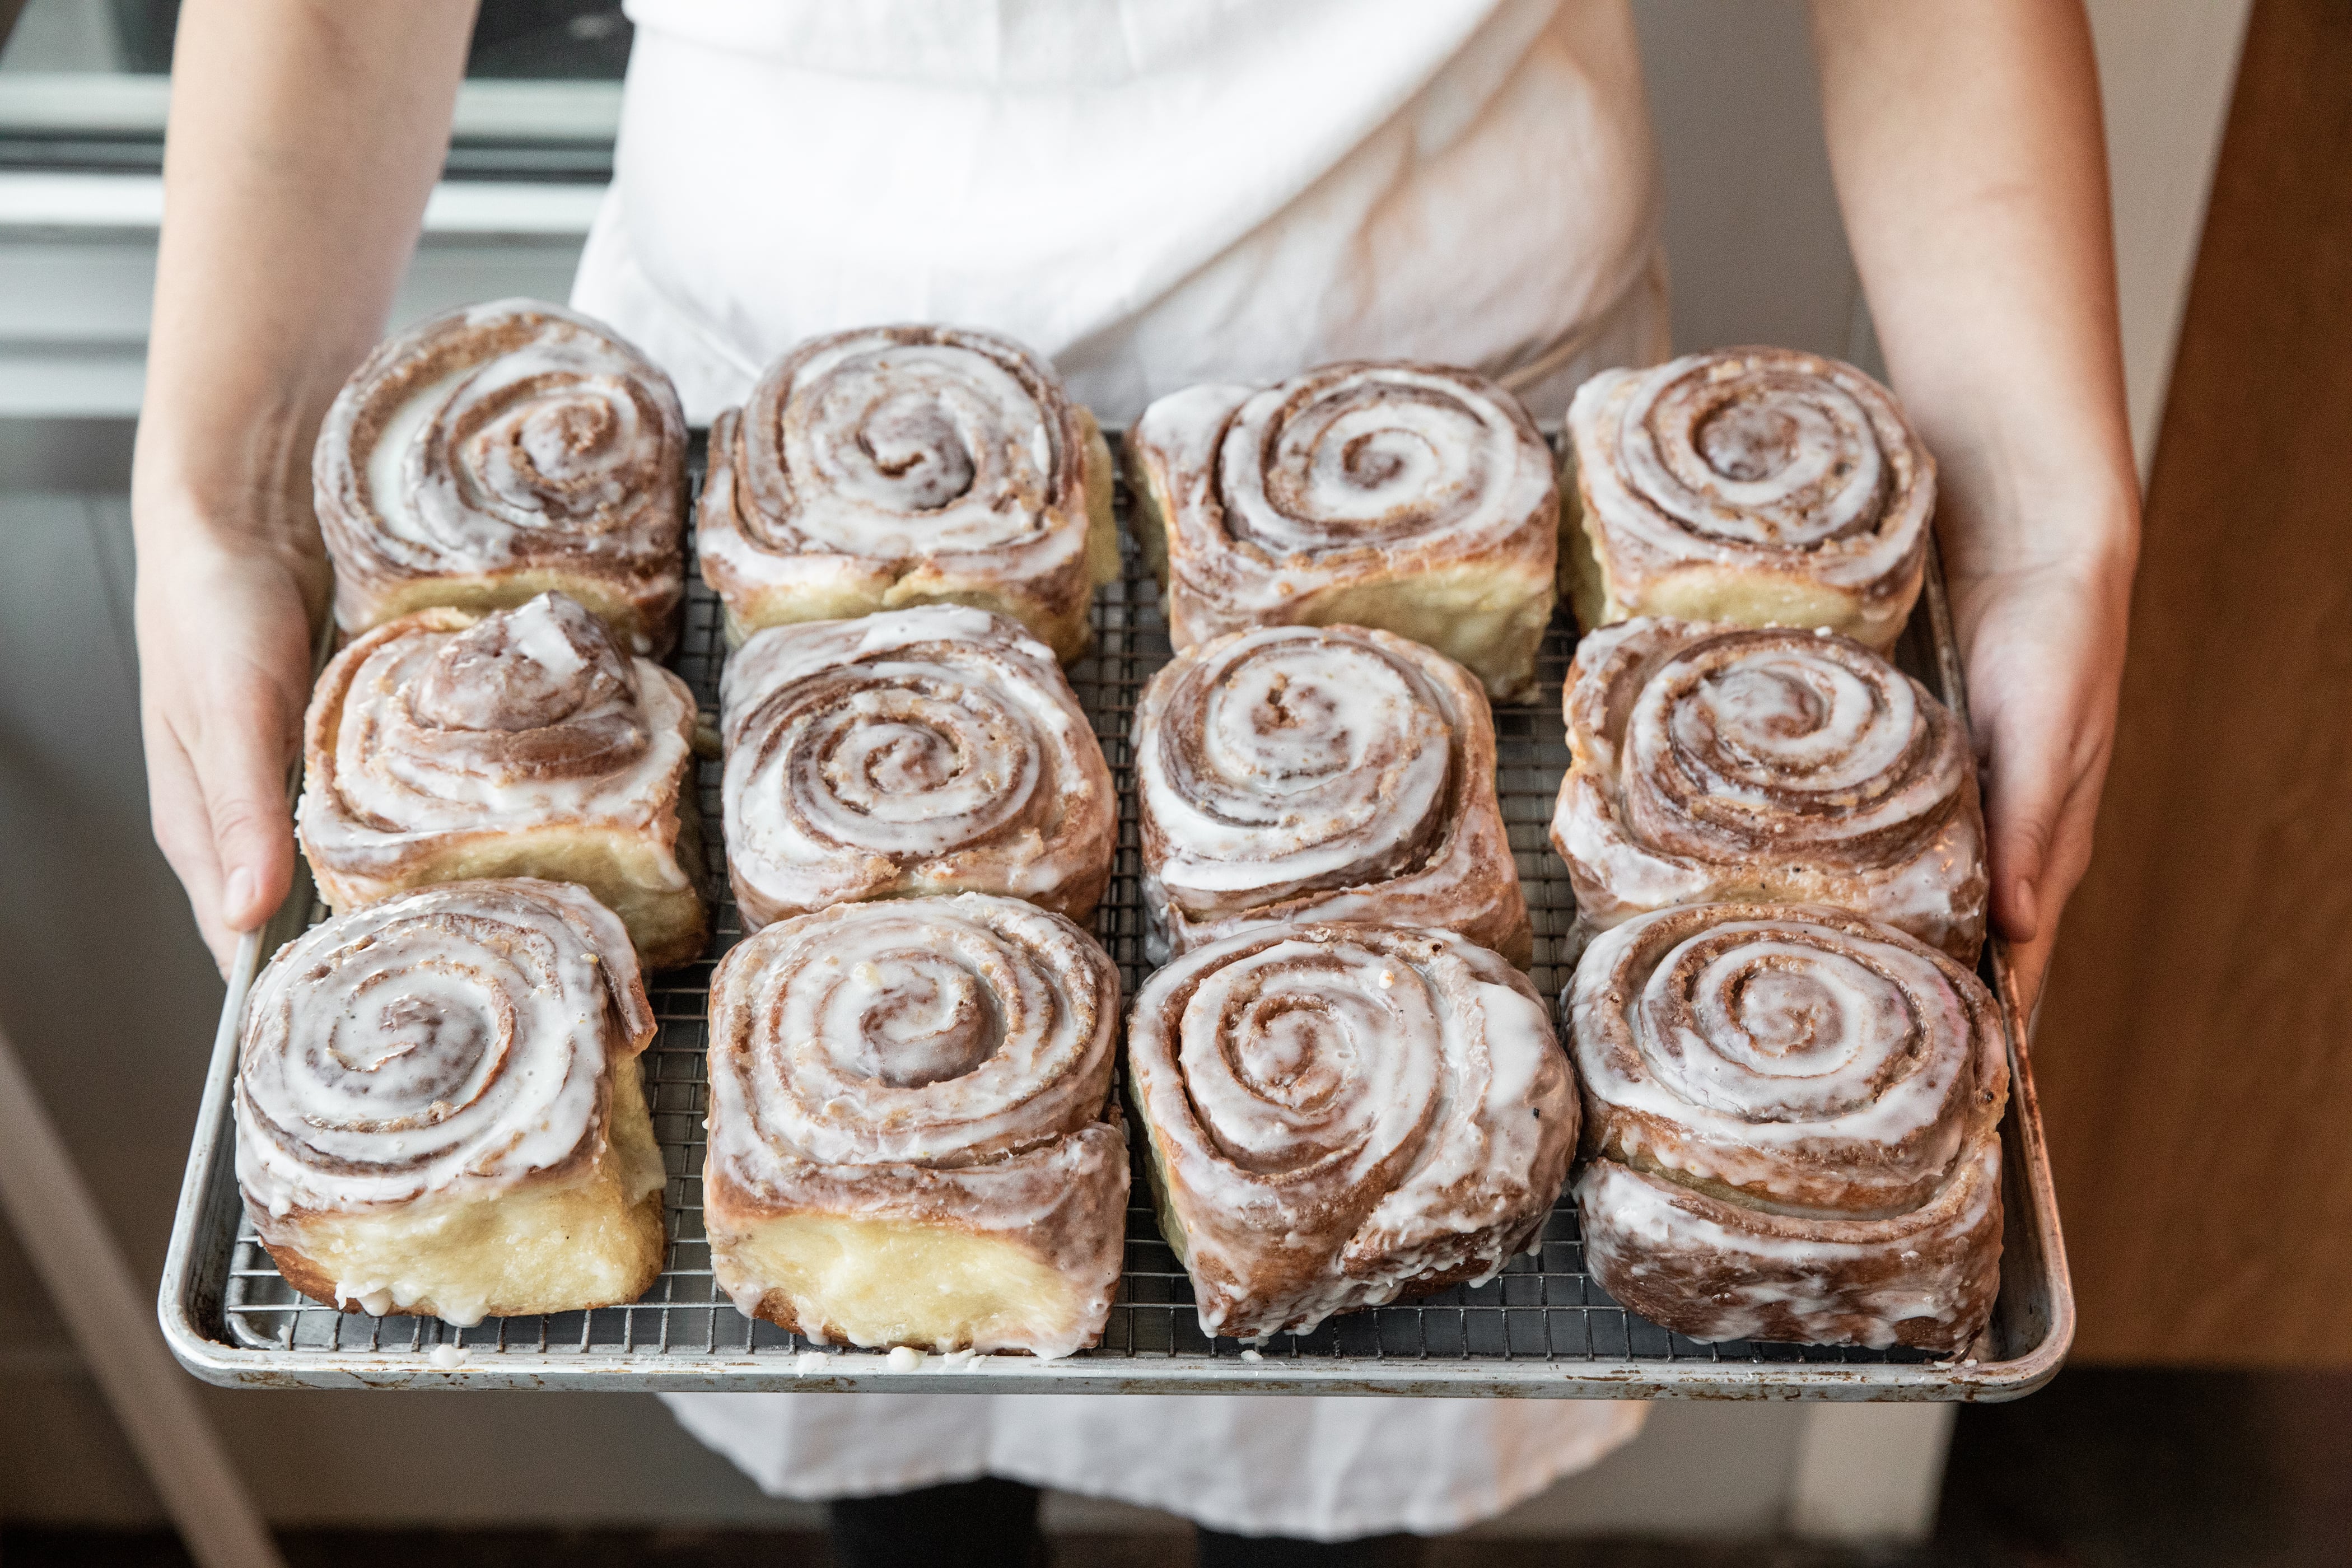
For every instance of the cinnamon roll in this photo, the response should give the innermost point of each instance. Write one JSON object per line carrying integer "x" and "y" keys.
{"x": 497, "y": 452}
{"x": 911, "y": 1136}
{"x": 1414, "y": 498}
{"x": 440, "y": 1112}
{"x": 916, "y": 465}
{"x": 1341, "y": 1115}
{"x": 1711, "y": 764}
{"x": 1322, "y": 773}
{"x": 1760, "y": 486}
{"x": 936, "y": 750}
{"x": 1792, "y": 1125}
{"x": 446, "y": 746}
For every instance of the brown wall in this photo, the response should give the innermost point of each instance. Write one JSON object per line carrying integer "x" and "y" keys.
{"x": 2195, "y": 1051}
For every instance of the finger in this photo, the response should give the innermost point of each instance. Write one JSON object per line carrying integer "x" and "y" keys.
{"x": 2029, "y": 965}
{"x": 175, "y": 809}
{"x": 2026, "y": 786}
{"x": 241, "y": 769}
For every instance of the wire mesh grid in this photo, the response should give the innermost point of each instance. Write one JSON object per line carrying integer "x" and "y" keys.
{"x": 1544, "y": 1308}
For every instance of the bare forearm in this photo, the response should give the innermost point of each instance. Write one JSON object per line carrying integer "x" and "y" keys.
{"x": 305, "y": 136}
{"x": 1965, "y": 140}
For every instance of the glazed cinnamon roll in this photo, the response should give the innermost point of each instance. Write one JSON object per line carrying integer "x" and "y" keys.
{"x": 1322, "y": 773}
{"x": 1712, "y": 764}
{"x": 936, "y": 750}
{"x": 898, "y": 466}
{"x": 446, "y": 746}
{"x": 1760, "y": 486}
{"x": 440, "y": 1112}
{"x": 1341, "y": 1115}
{"x": 1792, "y": 1124}
{"x": 499, "y": 452}
{"x": 911, "y": 1137}
{"x": 1418, "y": 499}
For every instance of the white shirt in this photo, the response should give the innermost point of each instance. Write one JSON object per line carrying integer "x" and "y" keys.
{"x": 1152, "y": 193}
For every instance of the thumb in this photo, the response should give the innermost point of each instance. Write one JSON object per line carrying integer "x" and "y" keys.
{"x": 243, "y": 776}
{"x": 2025, "y": 784}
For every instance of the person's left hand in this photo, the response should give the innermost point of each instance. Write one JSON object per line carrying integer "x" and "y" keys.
{"x": 2042, "y": 638}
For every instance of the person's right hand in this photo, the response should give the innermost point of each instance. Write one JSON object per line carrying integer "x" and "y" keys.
{"x": 224, "y": 624}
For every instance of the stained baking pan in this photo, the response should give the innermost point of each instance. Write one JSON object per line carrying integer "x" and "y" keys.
{"x": 1542, "y": 1329}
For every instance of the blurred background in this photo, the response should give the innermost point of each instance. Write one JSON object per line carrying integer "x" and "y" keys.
{"x": 2195, "y": 1051}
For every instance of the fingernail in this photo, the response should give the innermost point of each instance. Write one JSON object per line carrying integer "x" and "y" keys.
{"x": 237, "y": 897}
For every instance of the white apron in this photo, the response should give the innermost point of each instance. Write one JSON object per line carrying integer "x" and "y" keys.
{"x": 1152, "y": 193}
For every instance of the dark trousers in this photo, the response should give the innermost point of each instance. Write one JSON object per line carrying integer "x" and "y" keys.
{"x": 994, "y": 1524}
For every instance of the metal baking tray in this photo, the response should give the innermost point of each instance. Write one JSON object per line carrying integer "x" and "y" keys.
{"x": 1542, "y": 1329}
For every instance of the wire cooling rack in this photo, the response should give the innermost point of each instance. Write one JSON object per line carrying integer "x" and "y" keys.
{"x": 1542, "y": 1328}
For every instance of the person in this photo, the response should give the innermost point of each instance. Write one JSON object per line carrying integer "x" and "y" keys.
{"x": 1152, "y": 196}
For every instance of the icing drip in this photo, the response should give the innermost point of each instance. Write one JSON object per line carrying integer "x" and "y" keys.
{"x": 457, "y": 1039}
{"x": 1712, "y": 762}
{"x": 1752, "y": 456}
{"x": 897, "y": 442}
{"x": 917, "y": 749}
{"x": 501, "y": 438}
{"x": 944, "y": 1033}
{"x": 1340, "y": 1113}
{"x": 440, "y": 723}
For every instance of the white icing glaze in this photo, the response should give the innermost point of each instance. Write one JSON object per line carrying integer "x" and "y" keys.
{"x": 428, "y": 726}
{"x": 1773, "y": 1045}
{"x": 1751, "y": 455}
{"x": 892, "y": 444}
{"x": 1283, "y": 492}
{"x": 1338, "y": 1112}
{"x": 1287, "y": 759}
{"x": 897, "y": 447}
{"x": 916, "y": 749}
{"x": 1714, "y": 764}
{"x": 506, "y": 437}
{"x": 1793, "y": 1125}
{"x": 1830, "y": 1275}
{"x": 454, "y": 1041}
{"x": 989, "y": 1033}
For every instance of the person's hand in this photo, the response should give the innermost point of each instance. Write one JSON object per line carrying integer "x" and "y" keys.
{"x": 225, "y": 630}
{"x": 2042, "y": 638}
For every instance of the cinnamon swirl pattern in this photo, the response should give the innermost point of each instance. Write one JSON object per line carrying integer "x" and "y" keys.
{"x": 936, "y": 750}
{"x": 1341, "y": 1115}
{"x": 1325, "y": 774}
{"x": 499, "y": 451}
{"x": 1711, "y": 764}
{"x": 1792, "y": 1128}
{"x": 898, "y": 466}
{"x": 909, "y": 1132}
{"x": 440, "y": 1112}
{"x": 446, "y": 746}
{"x": 1760, "y": 486}
{"x": 1418, "y": 499}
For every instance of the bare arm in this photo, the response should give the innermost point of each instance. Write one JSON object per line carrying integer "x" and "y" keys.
{"x": 1965, "y": 140}
{"x": 305, "y": 136}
